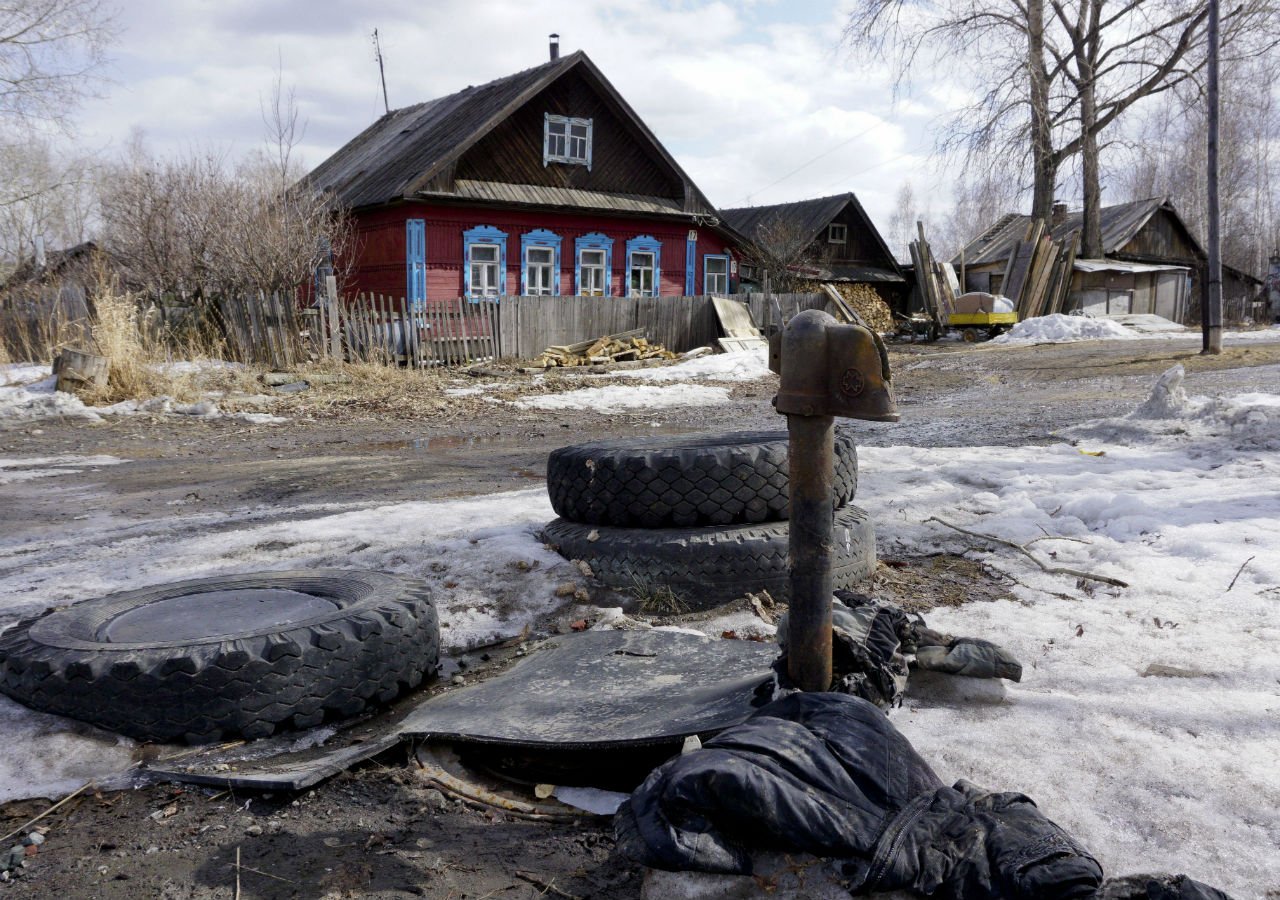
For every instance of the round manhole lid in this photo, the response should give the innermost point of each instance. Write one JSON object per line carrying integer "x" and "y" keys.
{"x": 195, "y": 616}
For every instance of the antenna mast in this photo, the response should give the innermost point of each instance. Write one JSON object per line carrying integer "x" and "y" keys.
{"x": 377, "y": 52}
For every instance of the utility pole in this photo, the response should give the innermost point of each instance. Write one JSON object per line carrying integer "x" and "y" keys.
{"x": 377, "y": 52}
{"x": 1211, "y": 311}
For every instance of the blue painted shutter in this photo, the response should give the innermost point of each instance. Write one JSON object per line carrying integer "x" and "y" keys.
{"x": 690, "y": 254}
{"x": 415, "y": 239}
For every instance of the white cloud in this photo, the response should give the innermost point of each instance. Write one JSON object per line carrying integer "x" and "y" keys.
{"x": 742, "y": 94}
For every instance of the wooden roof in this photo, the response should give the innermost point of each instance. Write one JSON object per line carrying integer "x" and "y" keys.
{"x": 807, "y": 217}
{"x": 397, "y": 156}
{"x": 1120, "y": 223}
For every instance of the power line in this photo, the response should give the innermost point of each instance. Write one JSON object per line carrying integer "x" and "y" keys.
{"x": 810, "y": 162}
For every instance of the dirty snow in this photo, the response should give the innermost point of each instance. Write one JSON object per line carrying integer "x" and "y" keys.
{"x": 740, "y": 365}
{"x": 1059, "y": 329}
{"x": 30, "y": 393}
{"x": 25, "y": 469}
{"x": 624, "y": 398}
{"x": 1150, "y": 772}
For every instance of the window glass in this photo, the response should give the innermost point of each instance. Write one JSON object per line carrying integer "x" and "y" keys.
{"x": 568, "y": 140}
{"x": 717, "y": 275}
{"x": 641, "y": 281}
{"x": 539, "y": 263}
{"x": 591, "y": 263}
{"x": 836, "y": 233}
{"x": 484, "y": 270}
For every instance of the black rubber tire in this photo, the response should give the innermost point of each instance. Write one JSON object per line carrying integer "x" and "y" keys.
{"x": 686, "y": 480}
{"x": 378, "y": 636}
{"x": 705, "y": 567}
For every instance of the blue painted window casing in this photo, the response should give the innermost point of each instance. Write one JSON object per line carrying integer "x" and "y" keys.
{"x": 690, "y": 267}
{"x": 540, "y": 242}
{"x": 566, "y": 139}
{"x": 644, "y": 266}
{"x": 598, "y": 283}
{"x": 415, "y": 258}
{"x": 484, "y": 251}
{"x": 715, "y": 274}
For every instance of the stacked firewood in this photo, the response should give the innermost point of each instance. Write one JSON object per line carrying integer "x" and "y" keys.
{"x": 626, "y": 347}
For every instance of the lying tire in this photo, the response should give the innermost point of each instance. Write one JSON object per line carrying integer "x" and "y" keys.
{"x": 236, "y": 655}
{"x": 719, "y": 479}
{"x": 704, "y": 567}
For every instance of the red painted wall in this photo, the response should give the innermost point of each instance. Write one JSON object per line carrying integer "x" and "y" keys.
{"x": 380, "y": 266}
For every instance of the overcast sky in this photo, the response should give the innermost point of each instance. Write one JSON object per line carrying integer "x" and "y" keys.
{"x": 743, "y": 94}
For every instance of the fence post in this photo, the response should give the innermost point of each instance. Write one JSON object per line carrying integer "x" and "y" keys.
{"x": 331, "y": 299}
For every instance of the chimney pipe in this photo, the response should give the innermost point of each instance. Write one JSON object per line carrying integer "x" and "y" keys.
{"x": 1059, "y": 214}
{"x": 555, "y": 47}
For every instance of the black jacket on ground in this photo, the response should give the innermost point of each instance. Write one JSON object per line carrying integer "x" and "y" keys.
{"x": 827, "y": 774}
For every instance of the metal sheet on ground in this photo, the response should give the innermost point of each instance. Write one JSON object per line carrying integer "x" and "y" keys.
{"x": 283, "y": 771}
{"x": 605, "y": 689}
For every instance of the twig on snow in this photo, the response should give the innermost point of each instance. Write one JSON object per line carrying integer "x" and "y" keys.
{"x": 1022, "y": 548}
{"x": 237, "y": 894}
{"x": 1238, "y": 571}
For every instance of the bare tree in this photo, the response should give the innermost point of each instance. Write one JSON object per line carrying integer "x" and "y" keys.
{"x": 783, "y": 252}
{"x": 51, "y": 52}
{"x": 1054, "y": 78}
{"x": 902, "y": 224}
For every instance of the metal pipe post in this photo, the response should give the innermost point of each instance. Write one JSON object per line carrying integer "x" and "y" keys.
{"x": 811, "y": 550}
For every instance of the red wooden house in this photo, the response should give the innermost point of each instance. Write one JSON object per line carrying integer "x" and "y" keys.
{"x": 544, "y": 182}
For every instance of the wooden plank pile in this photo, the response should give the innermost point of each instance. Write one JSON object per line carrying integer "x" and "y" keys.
{"x": 1037, "y": 277}
{"x": 628, "y": 346}
{"x": 935, "y": 280}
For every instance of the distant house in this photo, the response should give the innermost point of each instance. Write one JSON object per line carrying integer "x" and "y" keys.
{"x": 545, "y": 182}
{"x": 1151, "y": 262}
{"x": 68, "y": 277}
{"x": 843, "y": 246}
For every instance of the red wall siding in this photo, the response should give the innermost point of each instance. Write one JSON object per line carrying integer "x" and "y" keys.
{"x": 380, "y": 266}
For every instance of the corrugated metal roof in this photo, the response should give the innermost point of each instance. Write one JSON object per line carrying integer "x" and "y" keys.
{"x": 1119, "y": 225}
{"x": 807, "y": 217}
{"x": 536, "y": 195}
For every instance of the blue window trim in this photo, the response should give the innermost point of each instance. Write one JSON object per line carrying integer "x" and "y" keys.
{"x": 415, "y": 261}
{"x": 540, "y": 238}
{"x": 484, "y": 234}
{"x": 727, "y": 273}
{"x": 645, "y": 243}
{"x": 593, "y": 241}
{"x": 690, "y": 264}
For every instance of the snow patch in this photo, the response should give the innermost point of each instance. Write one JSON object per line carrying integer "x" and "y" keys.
{"x": 621, "y": 398}
{"x": 13, "y": 470}
{"x": 739, "y": 365}
{"x": 1061, "y": 329}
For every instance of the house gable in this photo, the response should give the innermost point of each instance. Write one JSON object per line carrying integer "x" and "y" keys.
{"x": 1163, "y": 237}
{"x": 622, "y": 159}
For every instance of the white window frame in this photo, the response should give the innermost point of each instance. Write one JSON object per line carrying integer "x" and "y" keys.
{"x": 540, "y": 271}
{"x": 600, "y": 270}
{"x": 632, "y": 268}
{"x": 707, "y": 274}
{"x": 837, "y": 233}
{"x": 552, "y": 143}
{"x": 493, "y": 266}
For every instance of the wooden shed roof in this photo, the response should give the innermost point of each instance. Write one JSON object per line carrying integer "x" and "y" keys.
{"x": 1120, "y": 223}
{"x": 808, "y": 217}
{"x": 398, "y": 155}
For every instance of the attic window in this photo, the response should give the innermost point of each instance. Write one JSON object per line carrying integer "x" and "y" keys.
{"x": 837, "y": 233}
{"x": 566, "y": 140}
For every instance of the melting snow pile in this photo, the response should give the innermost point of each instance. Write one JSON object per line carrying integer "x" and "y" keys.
{"x": 29, "y": 392}
{"x": 1060, "y": 329}
{"x": 740, "y": 365}
{"x": 620, "y": 399}
{"x": 1246, "y": 421}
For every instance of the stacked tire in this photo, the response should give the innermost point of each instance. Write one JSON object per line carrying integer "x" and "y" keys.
{"x": 704, "y": 516}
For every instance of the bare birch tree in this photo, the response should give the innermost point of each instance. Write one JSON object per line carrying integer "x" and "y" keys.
{"x": 783, "y": 252}
{"x": 1052, "y": 77}
{"x": 51, "y": 53}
